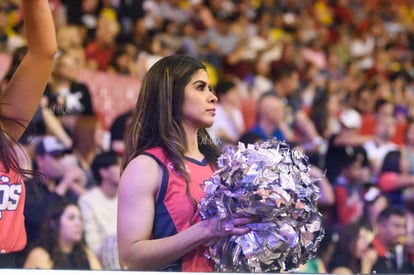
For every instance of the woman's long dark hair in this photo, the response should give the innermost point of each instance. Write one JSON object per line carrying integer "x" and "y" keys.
{"x": 49, "y": 240}
{"x": 8, "y": 154}
{"x": 157, "y": 118}
{"x": 319, "y": 112}
{"x": 345, "y": 248}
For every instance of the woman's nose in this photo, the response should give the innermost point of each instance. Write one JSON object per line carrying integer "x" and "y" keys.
{"x": 213, "y": 98}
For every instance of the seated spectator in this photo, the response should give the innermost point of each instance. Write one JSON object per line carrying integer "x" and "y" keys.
{"x": 44, "y": 120}
{"x": 271, "y": 119}
{"x": 260, "y": 79}
{"x": 99, "y": 51}
{"x": 60, "y": 244}
{"x": 286, "y": 86}
{"x": 408, "y": 199}
{"x": 378, "y": 147}
{"x": 117, "y": 130}
{"x": 347, "y": 141}
{"x": 407, "y": 150}
{"x": 324, "y": 113}
{"x": 83, "y": 14}
{"x": 228, "y": 123}
{"x": 353, "y": 254}
{"x": 364, "y": 100}
{"x": 348, "y": 189}
{"x": 6, "y": 32}
{"x": 66, "y": 97}
{"x": 388, "y": 243}
{"x": 382, "y": 108}
{"x": 374, "y": 203}
{"x": 170, "y": 35}
{"x": 122, "y": 63}
{"x": 70, "y": 39}
{"x": 99, "y": 204}
{"x": 153, "y": 51}
{"x": 393, "y": 179}
{"x": 223, "y": 47}
{"x": 56, "y": 178}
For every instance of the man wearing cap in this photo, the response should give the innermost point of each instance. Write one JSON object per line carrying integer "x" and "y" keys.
{"x": 347, "y": 142}
{"x": 342, "y": 147}
{"x": 58, "y": 177}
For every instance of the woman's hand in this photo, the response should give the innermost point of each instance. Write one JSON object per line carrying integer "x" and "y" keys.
{"x": 368, "y": 259}
{"x": 237, "y": 225}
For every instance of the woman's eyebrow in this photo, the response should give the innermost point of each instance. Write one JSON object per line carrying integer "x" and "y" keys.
{"x": 199, "y": 81}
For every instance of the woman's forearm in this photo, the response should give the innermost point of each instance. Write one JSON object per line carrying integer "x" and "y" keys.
{"x": 39, "y": 28}
{"x": 155, "y": 254}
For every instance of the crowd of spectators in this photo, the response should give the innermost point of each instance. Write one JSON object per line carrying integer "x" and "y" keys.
{"x": 335, "y": 77}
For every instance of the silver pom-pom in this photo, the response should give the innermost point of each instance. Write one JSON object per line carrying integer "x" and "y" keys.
{"x": 271, "y": 182}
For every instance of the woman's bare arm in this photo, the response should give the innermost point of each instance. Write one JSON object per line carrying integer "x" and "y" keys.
{"x": 136, "y": 199}
{"x": 22, "y": 95}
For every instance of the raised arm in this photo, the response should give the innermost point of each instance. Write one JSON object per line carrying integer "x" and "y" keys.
{"x": 22, "y": 95}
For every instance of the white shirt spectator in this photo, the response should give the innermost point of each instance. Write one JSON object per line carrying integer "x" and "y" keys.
{"x": 99, "y": 214}
{"x": 228, "y": 121}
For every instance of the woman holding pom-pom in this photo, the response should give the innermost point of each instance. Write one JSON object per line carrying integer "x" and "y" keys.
{"x": 168, "y": 156}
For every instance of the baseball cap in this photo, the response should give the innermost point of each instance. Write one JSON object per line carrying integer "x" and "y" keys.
{"x": 50, "y": 145}
{"x": 372, "y": 194}
{"x": 350, "y": 118}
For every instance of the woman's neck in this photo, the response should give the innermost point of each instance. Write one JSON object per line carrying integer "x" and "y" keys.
{"x": 192, "y": 149}
{"x": 66, "y": 247}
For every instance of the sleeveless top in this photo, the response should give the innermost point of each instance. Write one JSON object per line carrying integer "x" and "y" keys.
{"x": 174, "y": 210}
{"x": 69, "y": 262}
{"x": 12, "y": 197}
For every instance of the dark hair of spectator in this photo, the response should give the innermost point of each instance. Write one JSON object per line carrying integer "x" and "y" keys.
{"x": 391, "y": 162}
{"x": 104, "y": 160}
{"x": 49, "y": 240}
{"x": 392, "y": 210}
{"x": 223, "y": 86}
{"x": 380, "y": 103}
{"x": 280, "y": 72}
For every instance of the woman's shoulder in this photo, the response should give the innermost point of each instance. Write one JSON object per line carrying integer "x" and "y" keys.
{"x": 145, "y": 161}
{"x": 38, "y": 250}
{"x": 154, "y": 151}
{"x": 158, "y": 154}
{"x": 38, "y": 257}
{"x": 94, "y": 263}
{"x": 340, "y": 263}
{"x": 141, "y": 176}
{"x": 143, "y": 166}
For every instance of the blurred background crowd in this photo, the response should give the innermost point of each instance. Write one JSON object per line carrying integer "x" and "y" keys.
{"x": 335, "y": 77}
